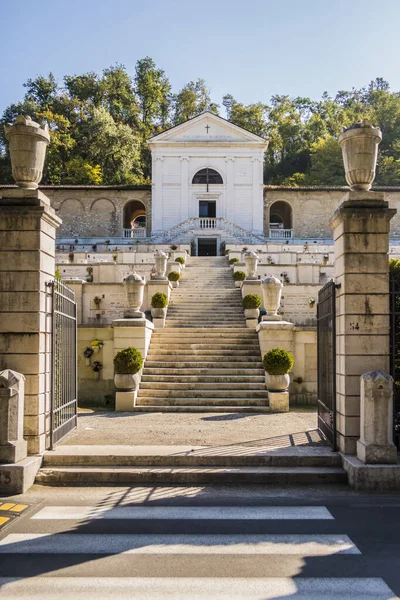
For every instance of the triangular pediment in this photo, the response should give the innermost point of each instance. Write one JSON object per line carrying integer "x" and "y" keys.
{"x": 207, "y": 127}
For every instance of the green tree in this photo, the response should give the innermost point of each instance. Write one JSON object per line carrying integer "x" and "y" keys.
{"x": 193, "y": 99}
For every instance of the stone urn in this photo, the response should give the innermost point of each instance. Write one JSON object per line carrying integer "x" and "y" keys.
{"x": 277, "y": 383}
{"x": 161, "y": 259}
{"x": 158, "y": 313}
{"x": 251, "y": 260}
{"x": 27, "y": 142}
{"x": 359, "y": 144}
{"x": 127, "y": 382}
{"x": 134, "y": 284}
{"x": 272, "y": 292}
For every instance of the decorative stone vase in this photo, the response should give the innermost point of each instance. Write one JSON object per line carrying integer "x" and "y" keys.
{"x": 251, "y": 313}
{"x": 158, "y": 313}
{"x": 134, "y": 289}
{"x": 359, "y": 144}
{"x": 251, "y": 260}
{"x": 160, "y": 258}
{"x": 272, "y": 292}
{"x": 28, "y": 142}
{"x": 277, "y": 383}
{"x": 126, "y": 382}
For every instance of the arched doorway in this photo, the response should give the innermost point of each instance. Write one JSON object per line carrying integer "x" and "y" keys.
{"x": 134, "y": 219}
{"x": 280, "y": 220}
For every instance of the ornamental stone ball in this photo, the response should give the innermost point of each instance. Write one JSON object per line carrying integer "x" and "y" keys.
{"x": 27, "y": 142}
{"x": 359, "y": 144}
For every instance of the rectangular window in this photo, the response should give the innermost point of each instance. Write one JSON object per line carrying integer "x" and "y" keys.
{"x": 207, "y": 209}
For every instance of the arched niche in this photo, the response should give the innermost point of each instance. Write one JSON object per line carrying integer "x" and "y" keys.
{"x": 134, "y": 215}
{"x": 280, "y": 215}
{"x": 102, "y": 218}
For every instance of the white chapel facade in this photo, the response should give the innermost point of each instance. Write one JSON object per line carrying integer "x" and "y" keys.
{"x": 205, "y": 172}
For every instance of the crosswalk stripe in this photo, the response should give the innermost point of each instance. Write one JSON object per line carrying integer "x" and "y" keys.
{"x": 185, "y": 512}
{"x": 65, "y": 543}
{"x": 196, "y": 588}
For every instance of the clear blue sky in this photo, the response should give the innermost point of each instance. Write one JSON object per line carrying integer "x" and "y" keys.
{"x": 249, "y": 49}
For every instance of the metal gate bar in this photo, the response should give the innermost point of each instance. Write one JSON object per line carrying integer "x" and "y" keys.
{"x": 326, "y": 352}
{"x": 64, "y": 389}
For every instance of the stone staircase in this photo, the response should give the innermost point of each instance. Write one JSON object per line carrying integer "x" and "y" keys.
{"x": 205, "y": 359}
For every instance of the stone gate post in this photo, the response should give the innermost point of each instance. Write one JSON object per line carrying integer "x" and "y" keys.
{"x": 360, "y": 227}
{"x": 27, "y": 263}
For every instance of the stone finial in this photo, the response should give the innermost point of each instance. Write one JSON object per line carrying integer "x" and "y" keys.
{"x": 13, "y": 447}
{"x": 359, "y": 144}
{"x": 251, "y": 260}
{"x": 135, "y": 290}
{"x": 160, "y": 258}
{"x": 27, "y": 142}
{"x": 375, "y": 445}
{"x": 272, "y": 292}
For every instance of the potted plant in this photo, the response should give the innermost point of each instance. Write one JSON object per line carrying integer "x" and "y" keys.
{"x": 97, "y": 301}
{"x": 277, "y": 364}
{"x": 71, "y": 257}
{"x": 359, "y": 144}
{"x": 173, "y": 247}
{"x": 89, "y": 277}
{"x": 325, "y": 259}
{"x": 27, "y": 143}
{"x": 232, "y": 261}
{"x": 96, "y": 368}
{"x": 97, "y": 345}
{"x": 88, "y": 353}
{"x": 159, "y": 303}
{"x": 174, "y": 278}
{"x": 127, "y": 364}
{"x": 311, "y": 302}
{"x": 114, "y": 257}
{"x": 238, "y": 276}
{"x": 251, "y": 305}
{"x": 180, "y": 260}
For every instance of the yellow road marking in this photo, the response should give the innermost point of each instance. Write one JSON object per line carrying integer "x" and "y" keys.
{"x": 4, "y": 520}
{"x": 19, "y": 508}
{"x": 7, "y": 506}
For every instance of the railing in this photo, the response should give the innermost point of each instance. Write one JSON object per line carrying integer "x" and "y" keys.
{"x": 207, "y": 223}
{"x": 279, "y": 234}
{"x": 136, "y": 232}
{"x": 64, "y": 403}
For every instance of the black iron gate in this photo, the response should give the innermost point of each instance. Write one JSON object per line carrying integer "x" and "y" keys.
{"x": 64, "y": 405}
{"x": 395, "y": 352}
{"x": 326, "y": 350}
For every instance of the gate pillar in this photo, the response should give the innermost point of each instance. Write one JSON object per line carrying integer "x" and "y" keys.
{"x": 361, "y": 236}
{"x": 27, "y": 262}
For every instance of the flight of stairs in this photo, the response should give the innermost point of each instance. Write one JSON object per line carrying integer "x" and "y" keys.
{"x": 205, "y": 359}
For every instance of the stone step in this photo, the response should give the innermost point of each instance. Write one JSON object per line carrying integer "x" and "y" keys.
{"x": 158, "y": 378}
{"x": 205, "y": 402}
{"x": 215, "y": 331}
{"x": 194, "y": 475}
{"x": 199, "y": 385}
{"x": 214, "y": 345}
{"x": 186, "y": 456}
{"x": 207, "y": 408}
{"x": 204, "y": 372}
{"x": 241, "y": 362}
{"x": 204, "y": 325}
{"x": 191, "y": 353}
{"x": 160, "y": 334}
{"x": 210, "y": 393}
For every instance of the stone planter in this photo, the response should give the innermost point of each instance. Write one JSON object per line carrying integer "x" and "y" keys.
{"x": 134, "y": 289}
{"x": 277, "y": 383}
{"x": 28, "y": 142}
{"x": 160, "y": 258}
{"x": 359, "y": 144}
{"x": 238, "y": 284}
{"x": 175, "y": 284}
{"x": 251, "y": 313}
{"x": 158, "y": 313}
{"x": 272, "y": 292}
{"x": 251, "y": 260}
{"x": 126, "y": 382}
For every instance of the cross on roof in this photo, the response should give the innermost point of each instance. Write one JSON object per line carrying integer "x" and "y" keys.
{"x": 207, "y": 127}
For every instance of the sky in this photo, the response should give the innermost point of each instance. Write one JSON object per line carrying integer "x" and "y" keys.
{"x": 252, "y": 49}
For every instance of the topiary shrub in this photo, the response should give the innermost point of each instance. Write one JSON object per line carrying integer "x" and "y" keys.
{"x": 174, "y": 276}
{"x": 128, "y": 361}
{"x": 251, "y": 301}
{"x": 180, "y": 260}
{"x": 278, "y": 361}
{"x": 232, "y": 261}
{"x": 239, "y": 276}
{"x": 159, "y": 300}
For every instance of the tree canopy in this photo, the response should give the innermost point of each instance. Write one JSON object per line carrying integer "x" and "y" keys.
{"x": 100, "y": 125}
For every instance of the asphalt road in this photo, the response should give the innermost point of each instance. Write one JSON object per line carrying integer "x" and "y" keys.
{"x": 201, "y": 542}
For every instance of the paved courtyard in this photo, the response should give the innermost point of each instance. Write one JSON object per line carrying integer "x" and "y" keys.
{"x": 199, "y": 429}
